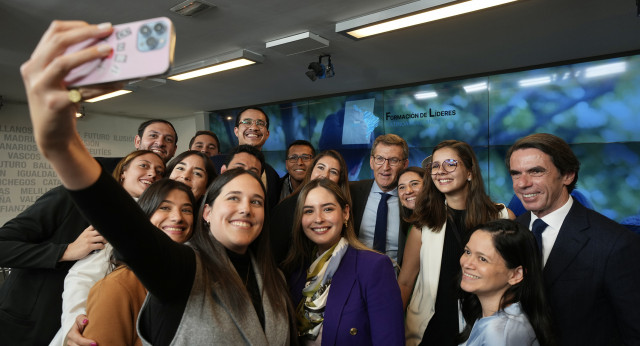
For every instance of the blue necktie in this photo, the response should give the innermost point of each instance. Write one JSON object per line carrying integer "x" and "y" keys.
{"x": 380, "y": 235}
{"x": 538, "y": 227}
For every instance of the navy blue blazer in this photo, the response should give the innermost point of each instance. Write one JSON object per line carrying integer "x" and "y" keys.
{"x": 364, "y": 305}
{"x": 592, "y": 278}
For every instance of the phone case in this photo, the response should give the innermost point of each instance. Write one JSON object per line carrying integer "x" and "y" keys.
{"x": 140, "y": 49}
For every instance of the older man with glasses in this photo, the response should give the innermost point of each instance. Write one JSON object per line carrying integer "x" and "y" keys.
{"x": 298, "y": 157}
{"x": 376, "y": 210}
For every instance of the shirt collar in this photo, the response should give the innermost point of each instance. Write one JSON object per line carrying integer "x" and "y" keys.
{"x": 377, "y": 189}
{"x": 556, "y": 217}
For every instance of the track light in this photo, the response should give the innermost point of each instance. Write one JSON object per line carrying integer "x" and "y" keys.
{"x": 318, "y": 70}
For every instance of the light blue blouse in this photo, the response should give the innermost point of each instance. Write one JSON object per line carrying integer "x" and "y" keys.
{"x": 508, "y": 327}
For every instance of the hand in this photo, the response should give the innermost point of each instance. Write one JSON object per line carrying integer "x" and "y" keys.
{"x": 75, "y": 338}
{"x": 86, "y": 242}
{"x": 51, "y": 110}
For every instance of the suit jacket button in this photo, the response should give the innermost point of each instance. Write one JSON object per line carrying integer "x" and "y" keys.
{"x": 353, "y": 331}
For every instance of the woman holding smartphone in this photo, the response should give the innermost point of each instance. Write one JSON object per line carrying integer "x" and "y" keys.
{"x": 224, "y": 288}
{"x": 346, "y": 293}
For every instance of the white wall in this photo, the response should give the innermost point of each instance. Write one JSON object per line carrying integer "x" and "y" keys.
{"x": 24, "y": 173}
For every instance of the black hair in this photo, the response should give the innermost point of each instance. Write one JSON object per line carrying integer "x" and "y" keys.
{"x": 208, "y": 133}
{"x": 144, "y": 125}
{"x": 209, "y": 168}
{"x": 301, "y": 142}
{"x": 251, "y": 108}
{"x": 150, "y": 201}
{"x": 517, "y": 246}
{"x": 249, "y": 149}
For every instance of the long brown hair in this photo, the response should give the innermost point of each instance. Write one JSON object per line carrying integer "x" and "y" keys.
{"x": 218, "y": 269}
{"x": 343, "y": 181}
{"x": 123, "y": 165}
{"x": 302, "y": 249}
{"x": 430, "y": 207}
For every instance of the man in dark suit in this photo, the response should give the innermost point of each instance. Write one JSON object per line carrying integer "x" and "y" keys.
{"x": 389, "y": 155}
{"x": 591, "y": 263}
{"x": 252, "y": 128}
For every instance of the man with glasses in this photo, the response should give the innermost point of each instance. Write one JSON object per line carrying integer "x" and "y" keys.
{"x": 591, "y": 271}
{"x": 252, "y": 128}
{"x": 298, "y": 158}
{"x": 376, "y": 209}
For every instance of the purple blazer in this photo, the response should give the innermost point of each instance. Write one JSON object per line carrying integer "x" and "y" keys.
{"x": 364, "y": 306}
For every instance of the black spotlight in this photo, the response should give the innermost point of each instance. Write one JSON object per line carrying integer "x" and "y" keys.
{"x": 318, "y": 70}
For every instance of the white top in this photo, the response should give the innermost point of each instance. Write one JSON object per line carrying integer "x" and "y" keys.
{"x": 508, "y": 327}
{"x": 77, "y": 284}
{"x": 368, "y": 224}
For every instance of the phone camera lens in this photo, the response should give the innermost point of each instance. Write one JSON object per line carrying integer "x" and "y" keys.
{"x": 152, "y": 42}
{"x": 145, "y": 31}
{"x": 159, "y": 28}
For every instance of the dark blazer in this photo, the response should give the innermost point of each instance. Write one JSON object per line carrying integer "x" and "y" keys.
{"x": 359, "y": 195}
{"x": 364, "y": 305}
{"x": 31, "y": 244}
{"x": 592, "y": 278}
{"x": 281, "y": 227}
{"x": 273, "y": 179}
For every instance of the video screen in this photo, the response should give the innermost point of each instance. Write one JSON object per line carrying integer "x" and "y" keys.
{"x": 594, "y": 106}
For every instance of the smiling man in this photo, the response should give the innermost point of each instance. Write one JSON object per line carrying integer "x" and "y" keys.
{"x": 252, "y": 128}
{"x": 298, "y": 158}
{"x": 379, "y": 224}
{"x": 591, "y": 271}
{"x": 157, "y": 135}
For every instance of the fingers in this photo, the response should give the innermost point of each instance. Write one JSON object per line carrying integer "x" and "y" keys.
{"x": 63, "y": 34}
{"x": 75, "y": 338}
{"x": 81, "y": 322}
{"x": 44, "y": 71}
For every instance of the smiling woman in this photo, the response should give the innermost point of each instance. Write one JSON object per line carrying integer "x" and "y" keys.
{"x": 115, "y": 301}
{"x": 338, "y": 283}
{"x": 194, "y": 169}
{"x": 451, "y": 202}
{"x": 502, "y": 274}
{"x": 206, "y": 300}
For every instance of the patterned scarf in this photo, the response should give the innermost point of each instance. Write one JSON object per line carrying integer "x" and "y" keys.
{"x": 316, "y": 290}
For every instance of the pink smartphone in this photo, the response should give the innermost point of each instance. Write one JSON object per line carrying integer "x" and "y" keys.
{"x": 140, "y": 49}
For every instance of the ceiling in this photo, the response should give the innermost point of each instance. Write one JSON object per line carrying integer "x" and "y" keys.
{"x": 525, "y": 33}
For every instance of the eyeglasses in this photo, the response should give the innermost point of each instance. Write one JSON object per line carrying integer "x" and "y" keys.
{"x": 249, "y": 122}
{"x": 449, "y": 165}
{"x": 303, "y": 157}
{"x": 393, "y": 161}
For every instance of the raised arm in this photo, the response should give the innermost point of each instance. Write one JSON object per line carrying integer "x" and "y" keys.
{"x": 148, "y": 251}
{"x": 52, "y": 111}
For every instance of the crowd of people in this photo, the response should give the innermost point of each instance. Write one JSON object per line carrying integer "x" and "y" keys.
{"x": 212, "y": 248}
